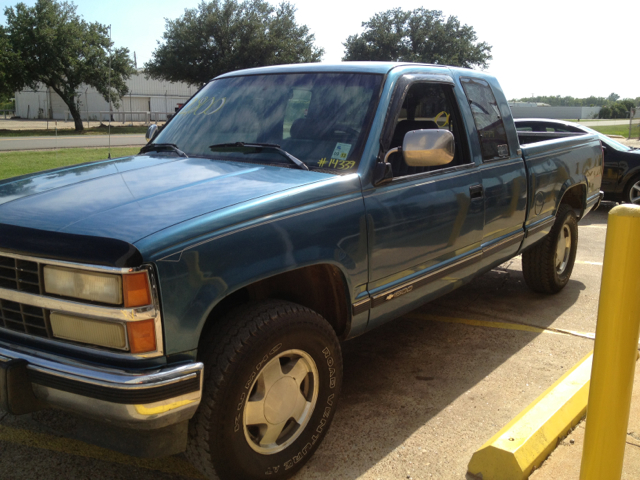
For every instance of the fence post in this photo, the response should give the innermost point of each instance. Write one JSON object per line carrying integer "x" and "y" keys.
{"x": 616, "y": 348}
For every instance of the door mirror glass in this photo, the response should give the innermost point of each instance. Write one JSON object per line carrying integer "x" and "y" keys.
{"x": 151, "y": 132}
{"x": 428, "y": 148}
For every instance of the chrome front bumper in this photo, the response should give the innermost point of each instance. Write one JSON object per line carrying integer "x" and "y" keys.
{"x": 140, "y": 400}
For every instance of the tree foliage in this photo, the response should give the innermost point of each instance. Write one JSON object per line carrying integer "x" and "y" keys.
{"x": 592, "y": 101}
{"x": 222, "y": 36}
{"x": 421, "y": 35}
{"x": 9, "y": 67}
{"x": 50, "y": 44}
{"x": 616, "y": 109}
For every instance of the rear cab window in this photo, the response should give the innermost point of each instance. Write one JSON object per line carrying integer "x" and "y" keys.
{"x": 487, "y": 118}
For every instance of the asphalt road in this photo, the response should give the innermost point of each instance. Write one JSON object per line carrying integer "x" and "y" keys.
{"x": 68, "y": 141}
{"x": 420, "y": 394}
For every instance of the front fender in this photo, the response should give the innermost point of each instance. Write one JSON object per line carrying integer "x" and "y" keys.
{"x": 195, "y": 279}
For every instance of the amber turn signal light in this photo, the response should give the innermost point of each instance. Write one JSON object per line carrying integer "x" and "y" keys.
{"x": 136, "y": 290}
{"x": 142, "y": 336}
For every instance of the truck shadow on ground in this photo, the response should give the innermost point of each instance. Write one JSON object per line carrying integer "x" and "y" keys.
{"x": 398, "y": 377}
{"x": 599, "y": 217}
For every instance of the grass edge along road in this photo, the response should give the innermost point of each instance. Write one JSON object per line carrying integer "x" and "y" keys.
{"x": 622, "y": 130}
{"x": 13, "y": 164}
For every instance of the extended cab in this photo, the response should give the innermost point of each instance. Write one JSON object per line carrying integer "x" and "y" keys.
{"x": 196, "y": 294}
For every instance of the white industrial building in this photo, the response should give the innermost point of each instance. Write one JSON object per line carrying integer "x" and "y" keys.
{"x": 147, "y": 100}
{"x": 543, "y": 110}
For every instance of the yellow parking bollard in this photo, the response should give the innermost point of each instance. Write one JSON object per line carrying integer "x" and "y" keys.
{"x": 616, "y": 348}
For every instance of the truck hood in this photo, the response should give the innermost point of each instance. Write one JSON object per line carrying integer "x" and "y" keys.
{"x": 133, "y": 197}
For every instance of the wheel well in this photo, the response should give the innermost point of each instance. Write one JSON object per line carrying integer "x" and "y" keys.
{"x": 576, "y": 197}
{"x": 321, "y": 288}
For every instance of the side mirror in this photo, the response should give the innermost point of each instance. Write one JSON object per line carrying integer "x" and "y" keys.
{"x": 428, "y": 148}
{"x": 152, "y": 131}
{"x": 382, "y": 173}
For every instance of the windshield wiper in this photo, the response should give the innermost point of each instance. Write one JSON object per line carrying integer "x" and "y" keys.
{"x": 163, "y": 147}
{"x": 271, "y": 146}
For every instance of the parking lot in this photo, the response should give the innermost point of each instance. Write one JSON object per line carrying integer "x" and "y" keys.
{"x": 420, "y": 394}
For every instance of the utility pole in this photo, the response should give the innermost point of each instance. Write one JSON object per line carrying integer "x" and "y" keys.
{"x": 109, "y": 89}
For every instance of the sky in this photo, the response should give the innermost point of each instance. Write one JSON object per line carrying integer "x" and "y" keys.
{"x": 544, "y": 47}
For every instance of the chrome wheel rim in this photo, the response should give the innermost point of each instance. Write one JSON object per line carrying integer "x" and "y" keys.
{"x": 634, "y": 193}
{"x": 563, "y": 249}
{"x": 282, "y": 399}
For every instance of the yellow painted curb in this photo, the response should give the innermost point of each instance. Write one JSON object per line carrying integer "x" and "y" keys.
{"x": 526, "y": 441}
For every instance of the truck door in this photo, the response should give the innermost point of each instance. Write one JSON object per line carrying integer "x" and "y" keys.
{"x": 425, "y": 225}
{"x": 504, "y": 178}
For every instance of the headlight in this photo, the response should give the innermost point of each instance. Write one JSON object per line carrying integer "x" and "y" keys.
{"x": 130, "y": 289}
{"x": 92, "y": 286}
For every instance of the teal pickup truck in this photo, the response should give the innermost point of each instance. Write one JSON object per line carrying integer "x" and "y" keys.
{"x": 194, "y": 296}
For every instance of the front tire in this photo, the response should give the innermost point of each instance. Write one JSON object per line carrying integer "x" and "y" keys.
{"x": 273, "y": 372}
{"x": 547, "y": 266}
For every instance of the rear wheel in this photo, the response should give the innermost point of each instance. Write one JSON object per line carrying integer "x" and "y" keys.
{"x": 632, "y": 191}
{"x": 273, "y": 372}
{"x": 547, "y": 266}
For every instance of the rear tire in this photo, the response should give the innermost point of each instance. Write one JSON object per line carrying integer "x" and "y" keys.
{"x": 632, "y": 191}
{"x": 273, "y": 372}
{"x": 547, "y": 266}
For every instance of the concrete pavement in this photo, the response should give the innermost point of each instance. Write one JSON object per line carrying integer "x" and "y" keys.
{"x": 564, "y": 462}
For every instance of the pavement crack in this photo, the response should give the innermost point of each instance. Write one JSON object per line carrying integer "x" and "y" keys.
{"x": 3, "y": 417}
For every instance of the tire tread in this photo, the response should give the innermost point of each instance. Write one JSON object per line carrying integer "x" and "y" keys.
{"x": 222, "y": 348}
{"x": 538, "y": 267}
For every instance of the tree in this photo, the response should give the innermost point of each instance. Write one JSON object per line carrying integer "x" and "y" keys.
{"x": 222, "y": 36}
{"x": 9, "y": 66}
{"x": 420, "y": 35}
{"x": 50, "y": 44}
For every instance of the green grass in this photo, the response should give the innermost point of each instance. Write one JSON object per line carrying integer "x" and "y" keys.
{"x": 13, "y": 164}
{"x": 69, "y": 131}
{"x": 616, "y": 130}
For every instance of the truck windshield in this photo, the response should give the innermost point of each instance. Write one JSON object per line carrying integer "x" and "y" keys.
{"x": 322, "y": 119}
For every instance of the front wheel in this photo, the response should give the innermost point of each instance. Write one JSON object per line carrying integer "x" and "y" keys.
{"x": 632, "y": 191}
{"x": 547, "y": 266}
{"x": 273, "y": 372}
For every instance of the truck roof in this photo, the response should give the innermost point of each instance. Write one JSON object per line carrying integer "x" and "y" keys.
{"x": 351, "y": 67}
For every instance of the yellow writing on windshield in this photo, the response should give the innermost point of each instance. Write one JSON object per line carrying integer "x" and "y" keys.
{"x": 337, "y": 164}
{"x": 205, "y": 105}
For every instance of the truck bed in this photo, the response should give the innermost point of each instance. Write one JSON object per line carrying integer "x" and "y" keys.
{"x": 556, "y": 161}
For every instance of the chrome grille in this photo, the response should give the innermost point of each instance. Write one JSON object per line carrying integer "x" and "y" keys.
{"x": 19, "y": 275}
{"x": 23, "y": 318}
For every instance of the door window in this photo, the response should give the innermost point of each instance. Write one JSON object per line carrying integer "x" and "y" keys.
{"x": 427, "y": 106}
